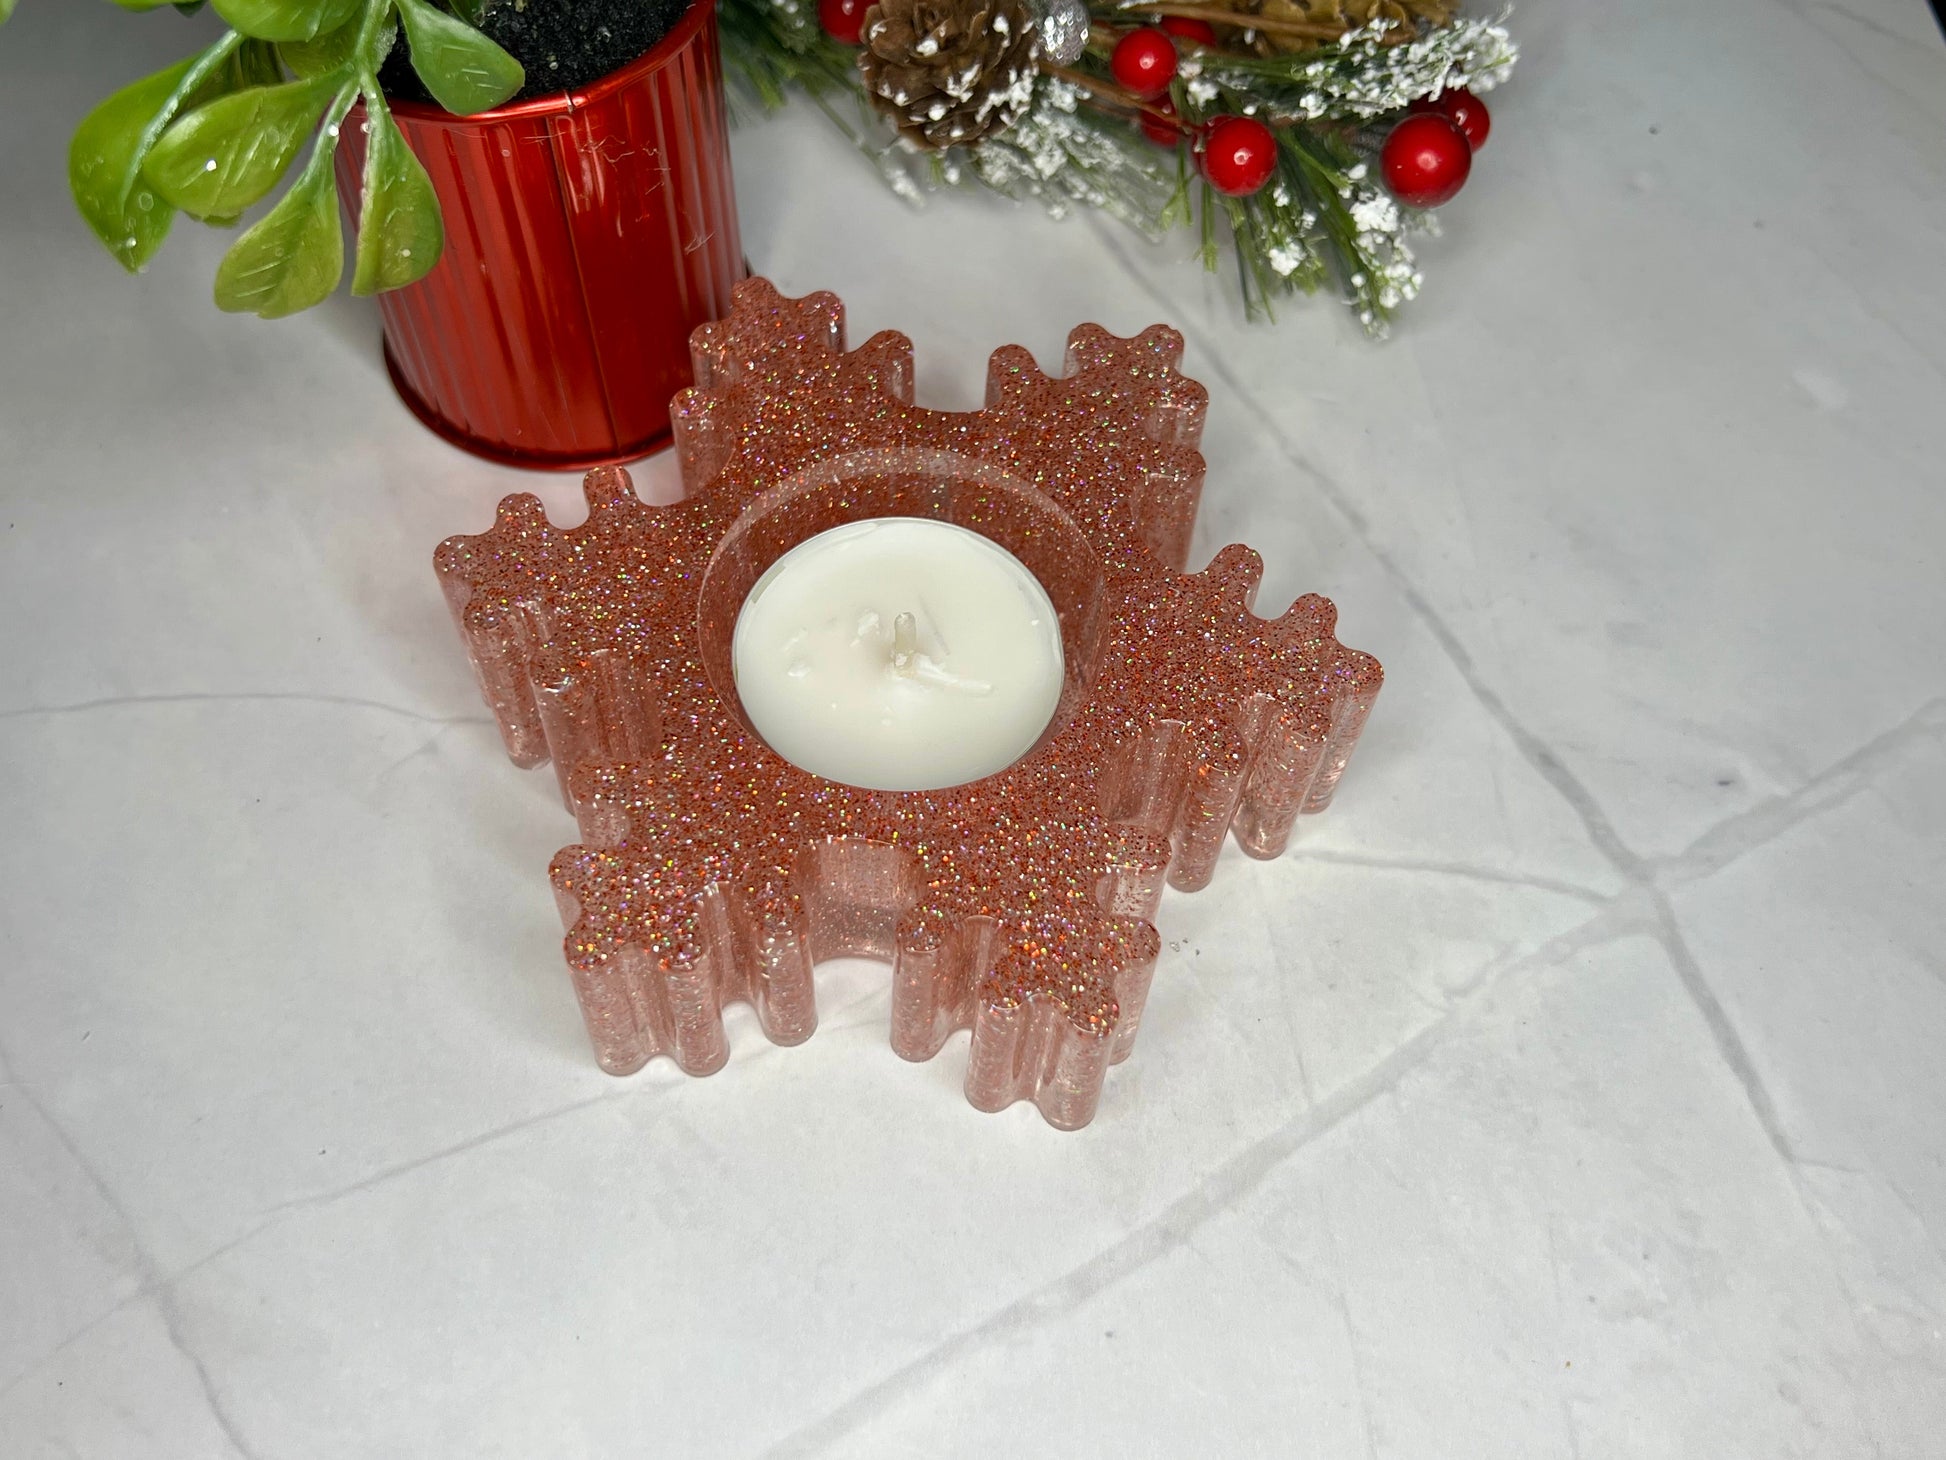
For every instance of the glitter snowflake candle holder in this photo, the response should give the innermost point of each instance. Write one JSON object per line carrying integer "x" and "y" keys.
{"x": 711, "y": 870}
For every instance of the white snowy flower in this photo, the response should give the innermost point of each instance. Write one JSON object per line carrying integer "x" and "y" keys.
{"x": 1287, "y": 258}
{"x": 1375, "y": 213}
{"x": 1062, "y": 95}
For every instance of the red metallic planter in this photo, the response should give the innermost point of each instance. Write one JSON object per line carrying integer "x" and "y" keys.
{"x": 587, "y": 233}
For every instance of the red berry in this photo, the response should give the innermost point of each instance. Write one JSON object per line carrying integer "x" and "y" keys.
{"x": 1465, "y": 110}
{"x": 1239, "y": 155}
{"x": 1199, "y": 31}
{"x": 1144, "y": 61}
{"x": 1159, "y": 124}
{"x": 1426, "y": 160}
{"x": 843, "y": 19}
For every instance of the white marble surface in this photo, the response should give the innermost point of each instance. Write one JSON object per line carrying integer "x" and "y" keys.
{"x": 1574, "y": 1088}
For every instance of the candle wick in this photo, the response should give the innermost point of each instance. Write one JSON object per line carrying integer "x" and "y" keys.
{"x": 905, "y": 645}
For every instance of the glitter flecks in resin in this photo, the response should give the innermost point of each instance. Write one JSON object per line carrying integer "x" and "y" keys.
{"x": 710, "y": 870}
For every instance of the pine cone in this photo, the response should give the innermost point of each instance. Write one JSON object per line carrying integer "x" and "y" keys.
{"x": 1321, "y": 20}
{"x": 949, "y": 71}
{"x": 1412, "y": 13}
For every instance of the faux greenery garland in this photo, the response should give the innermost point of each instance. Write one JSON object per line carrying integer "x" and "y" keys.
{"x": 1330, "y": 95}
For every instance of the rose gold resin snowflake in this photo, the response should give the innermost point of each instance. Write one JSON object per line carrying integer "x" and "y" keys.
{"x": 1018, "y": 906}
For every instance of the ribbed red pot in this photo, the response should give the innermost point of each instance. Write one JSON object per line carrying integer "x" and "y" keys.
{"x": 587, "y": 233}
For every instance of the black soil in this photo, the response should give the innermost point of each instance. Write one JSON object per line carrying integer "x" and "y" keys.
{"x": 562, "y": 43}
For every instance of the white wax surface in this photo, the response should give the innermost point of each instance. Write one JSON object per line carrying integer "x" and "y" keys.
{"x": 817, "y": 669}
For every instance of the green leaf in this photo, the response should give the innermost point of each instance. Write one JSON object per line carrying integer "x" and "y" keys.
{"x": 331, "y": 53}
{"x": 292, "y": 257}
{"x": 248, "y": 63}
{"x": 6, "y": 9}
{"x": 107, "y": 146}
{"x": 464, "y": 71}
{"x": 400, "y": 232}
{"x": 227, "y": 154}
{"x": 286, "y": 20}
{"x": 257, "y": 65}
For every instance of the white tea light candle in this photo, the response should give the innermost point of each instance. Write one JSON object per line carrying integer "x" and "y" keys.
{"x": 899, "y": 654}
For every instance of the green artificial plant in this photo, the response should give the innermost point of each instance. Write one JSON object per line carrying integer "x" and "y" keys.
{"x": 212, "y": 135}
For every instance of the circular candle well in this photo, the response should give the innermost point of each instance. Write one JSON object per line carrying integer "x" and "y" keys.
{"x": 899, "y": 654}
